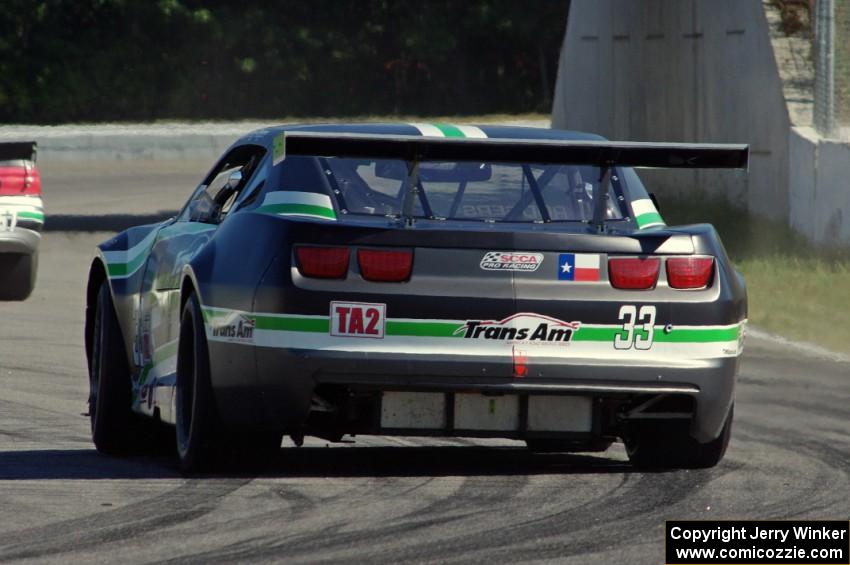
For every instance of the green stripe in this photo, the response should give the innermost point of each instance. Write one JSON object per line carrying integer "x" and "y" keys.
{"x": 696, "y": 335}
{"x": 650, "y": 218}
{"x": 31, "y": 215}
{"x": 298, "y": 209}
{"x": 686, "y": 335}
{"x": 449, "y": 130}
{"x": 121, "y": 269}
{"x": 315, "y": 325}
{"x": 422, "y": 329}
{"x": 595, "y": 334}
{"x": 448, "y": 329}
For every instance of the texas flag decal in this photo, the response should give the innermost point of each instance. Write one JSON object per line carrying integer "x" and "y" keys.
{"x": 579, "y": 267}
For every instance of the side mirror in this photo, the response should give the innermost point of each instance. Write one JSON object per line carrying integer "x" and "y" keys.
{"x": 654, "y": 201}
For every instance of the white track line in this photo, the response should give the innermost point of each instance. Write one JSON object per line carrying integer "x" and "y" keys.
{"x": 801, "y": 346}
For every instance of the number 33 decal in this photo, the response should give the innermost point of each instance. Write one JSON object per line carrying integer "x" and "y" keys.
{"x": 638, "y": 327}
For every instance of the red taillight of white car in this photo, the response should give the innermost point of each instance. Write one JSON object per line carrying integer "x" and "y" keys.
{"x": 689, "y": 272}
{"x": 380, "y": 265}
{"x": 322, "y": 262}
{"x": 633, "y": 273}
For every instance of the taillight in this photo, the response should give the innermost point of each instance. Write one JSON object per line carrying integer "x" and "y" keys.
{"x": 689, "y": 272}
{"x": 385, "y": 266}
{"x": 322, "y": 262}
{"x": 633, "y": 273}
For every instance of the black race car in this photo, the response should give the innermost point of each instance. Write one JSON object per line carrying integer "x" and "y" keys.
{"x": 419, "y": 279}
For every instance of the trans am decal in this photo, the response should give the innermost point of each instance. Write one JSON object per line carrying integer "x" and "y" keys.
{"x": 533, "y": 329}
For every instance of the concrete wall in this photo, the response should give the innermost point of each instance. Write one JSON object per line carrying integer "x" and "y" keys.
{"x": 820, "y": 187}
{"x": 680, "y": 70}
{"x": 130, "y": 142}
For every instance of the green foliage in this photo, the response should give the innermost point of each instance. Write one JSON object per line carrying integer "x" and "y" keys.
{"x": 90, "y": 60}
{"x": 795, "y": 289}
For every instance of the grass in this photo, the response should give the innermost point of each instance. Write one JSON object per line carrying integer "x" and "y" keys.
{"x": 795, "y": 289}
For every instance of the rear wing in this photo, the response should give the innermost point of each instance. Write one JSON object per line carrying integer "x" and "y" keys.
{"x": 603, "y": 154}
{"x": 26, "y": 150}
{"x": 537, "y": 151}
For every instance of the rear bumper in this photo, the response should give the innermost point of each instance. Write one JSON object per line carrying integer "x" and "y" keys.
{"x": 19, "y": 240}
{"x": 279, "y": 392}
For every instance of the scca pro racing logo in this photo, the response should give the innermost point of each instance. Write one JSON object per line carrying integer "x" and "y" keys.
{"x": 523, "y": 327}
{"x": 238, "y": 328}
{"x": 511, "y": 261}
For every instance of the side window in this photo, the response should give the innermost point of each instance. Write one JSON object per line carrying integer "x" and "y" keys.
{"x": 220, "y": 190}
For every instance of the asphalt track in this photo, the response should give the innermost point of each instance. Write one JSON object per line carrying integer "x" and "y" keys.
{"x": 378, "y": 500}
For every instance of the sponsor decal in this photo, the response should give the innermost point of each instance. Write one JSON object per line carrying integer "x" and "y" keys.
{"x": 239, "y": 328}
{"x": 8, "y": 220}
{"x": 358, "y": 319}
{"x": 578, "y": 267}
{"x": 533, "y": 329}
{"x": 511, "y": 261}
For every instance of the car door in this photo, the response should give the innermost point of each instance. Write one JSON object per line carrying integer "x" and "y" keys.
{"x": 177, "y": 243}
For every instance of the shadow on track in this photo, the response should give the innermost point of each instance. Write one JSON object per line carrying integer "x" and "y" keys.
{"x": 87, "y": 464}
{"x": 435, "y": 462}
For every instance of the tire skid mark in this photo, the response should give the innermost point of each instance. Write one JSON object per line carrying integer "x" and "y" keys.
{"x": 190, "y": 501}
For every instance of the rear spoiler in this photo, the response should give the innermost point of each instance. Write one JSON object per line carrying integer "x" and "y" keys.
{"x": 603, "y": 154}
{"x": 25, "y": 150}
{"x": 537, "y": 151}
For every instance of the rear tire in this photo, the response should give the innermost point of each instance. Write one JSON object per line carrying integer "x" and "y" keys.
{"x": 196, "y": 419}
{"x": 203, "y": 445}
{"x": 658, "y": 445}
{"x": 113, "y": 424}
{"x": 17, "y": 275}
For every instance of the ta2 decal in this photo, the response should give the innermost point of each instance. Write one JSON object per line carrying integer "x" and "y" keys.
{"x": 358, "y": 319}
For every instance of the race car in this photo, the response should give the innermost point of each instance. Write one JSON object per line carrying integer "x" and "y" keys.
{"x": 421, "y": 280}
{"x": 21, "y": 219}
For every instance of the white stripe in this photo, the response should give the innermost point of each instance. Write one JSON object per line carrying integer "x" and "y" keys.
{"x": 125, "y": 256}
{"x": 587, "y": 261}
{"x": 472, "y": 131}
{"x": 292, "y": 197}
{"x": 428, "y": 130}
{"x": 643, "y": 206}
{"x": 33, "y": 201}
{"x": 668, "y": 354}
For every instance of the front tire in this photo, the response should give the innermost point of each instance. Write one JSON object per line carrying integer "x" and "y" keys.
{"x": 17, "y": 275}
{"x": 658, "y": 445}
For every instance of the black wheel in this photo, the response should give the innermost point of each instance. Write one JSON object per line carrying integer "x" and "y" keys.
{"x": 660, "y": 445}
{"x": 196, "y": 420}
{"x": 17, "y": 275}
{"x": 113, "y": 426}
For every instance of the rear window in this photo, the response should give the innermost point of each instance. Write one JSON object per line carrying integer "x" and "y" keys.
{"x": 490, "y": 192}
{"x": 13, "y": 163}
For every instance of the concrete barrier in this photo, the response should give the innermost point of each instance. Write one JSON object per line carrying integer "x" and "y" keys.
{"x": 121, "y": 142}
{"x": 680, "y": 70}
